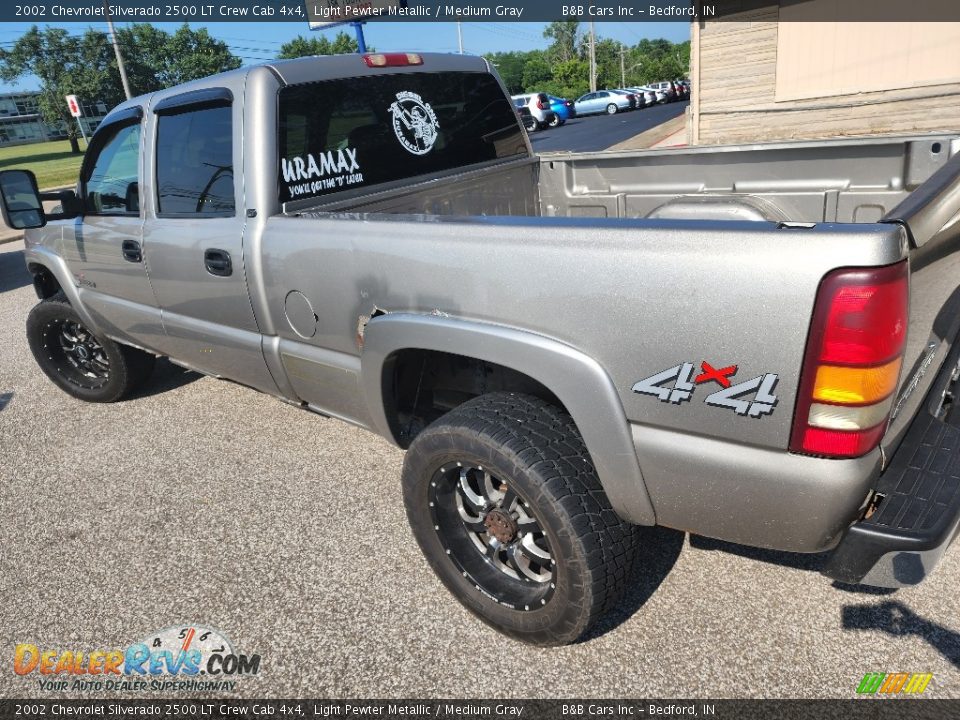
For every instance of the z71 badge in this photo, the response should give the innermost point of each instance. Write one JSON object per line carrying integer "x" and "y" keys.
{"x": 752, "y": 398}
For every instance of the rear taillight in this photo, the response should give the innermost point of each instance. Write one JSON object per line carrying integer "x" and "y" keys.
{"x": 852, "y": 364}
{"x": 541, "y": 105}
{"x": 392, "y": 59}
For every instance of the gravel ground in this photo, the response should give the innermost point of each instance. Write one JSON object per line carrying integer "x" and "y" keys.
{"x": 203, "y": 502}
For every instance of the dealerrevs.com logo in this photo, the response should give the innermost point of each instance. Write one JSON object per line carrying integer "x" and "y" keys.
{"x": 184, "y": 657}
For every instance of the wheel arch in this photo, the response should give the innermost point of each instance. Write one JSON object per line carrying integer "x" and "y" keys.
{"x": 50, "y": 268}
{"x": 579, "y": 384}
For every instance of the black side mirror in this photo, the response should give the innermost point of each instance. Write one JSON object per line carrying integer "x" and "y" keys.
{"x": 20, "y": 200}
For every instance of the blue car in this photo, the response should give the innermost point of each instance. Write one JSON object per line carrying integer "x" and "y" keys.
{"x": 563, "y": 108}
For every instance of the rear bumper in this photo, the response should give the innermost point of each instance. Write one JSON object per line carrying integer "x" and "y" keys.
{"x": 918, "y": 515}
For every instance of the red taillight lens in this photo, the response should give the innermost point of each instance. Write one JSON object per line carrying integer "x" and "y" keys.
{"x": 377, "y": 60}
{"x": 852, "y": 361}
{"x": 541, "y": 105}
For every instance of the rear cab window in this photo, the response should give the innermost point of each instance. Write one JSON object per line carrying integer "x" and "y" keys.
{"x": 354, "y": 133}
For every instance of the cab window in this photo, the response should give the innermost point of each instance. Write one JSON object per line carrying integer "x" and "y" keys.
{"x": 110, "y": 185}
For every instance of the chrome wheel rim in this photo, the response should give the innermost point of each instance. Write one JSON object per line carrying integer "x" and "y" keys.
{"x": 492, "y": 535}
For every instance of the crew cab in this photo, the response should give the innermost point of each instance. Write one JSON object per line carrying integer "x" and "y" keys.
{"x": 754, "y": 343}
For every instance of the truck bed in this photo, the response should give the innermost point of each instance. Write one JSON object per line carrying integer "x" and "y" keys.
{"x": 847, "y": 181}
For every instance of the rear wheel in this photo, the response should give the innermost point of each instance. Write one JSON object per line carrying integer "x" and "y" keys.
{"x": 506, "y": 505}
{"x": 556, "y": 121}
{"x": 611, "y": 109}
{"x": 82, "y": 364}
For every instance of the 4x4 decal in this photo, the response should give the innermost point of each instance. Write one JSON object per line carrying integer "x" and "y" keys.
{"x": 676, "y": 385}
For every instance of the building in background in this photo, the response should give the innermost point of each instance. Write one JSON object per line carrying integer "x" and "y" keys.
{"x": 21, "y": 122}
{"x": 770, "y": 73}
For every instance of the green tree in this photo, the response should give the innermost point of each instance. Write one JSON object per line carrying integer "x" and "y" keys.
{"x": 565, "y": 35}
{"x": 571, "y": 79}
{"x": 156, "y": 59}
{"x": 318, "y": 45}
{"x": 65, "y": 65}
{"x": 510, "y": 66}
{"x": 536, "y": 71}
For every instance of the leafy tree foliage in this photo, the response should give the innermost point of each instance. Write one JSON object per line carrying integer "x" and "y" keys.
{"x": 564, "y": 70}
{"x": 304, "y": 47}
{"x": 156, "y": 59}
{"x": 86, "y": 66}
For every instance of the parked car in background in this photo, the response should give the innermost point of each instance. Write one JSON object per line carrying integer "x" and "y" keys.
{"x": 602, "y": 101}
{"x": 683, "y": 90}
{"x": 636, "y": 101}
{"x": 659, "y": 96}
{"x": 527, "y": 119}
{"x": 667, "y": 88}
{"x": 563, "y": 108}
{"x": 539, "y": 105}
{"x": 645, "y": 96}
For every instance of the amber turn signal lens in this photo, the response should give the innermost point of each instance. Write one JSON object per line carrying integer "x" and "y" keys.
{"x": 855, "y": 385}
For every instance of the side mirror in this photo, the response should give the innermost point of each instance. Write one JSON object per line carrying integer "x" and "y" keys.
{"x": 20, "y": 200}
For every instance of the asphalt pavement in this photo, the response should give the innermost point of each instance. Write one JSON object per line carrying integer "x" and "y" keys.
{"x": 200, "y": 501}
{"x": 599, "y": 132}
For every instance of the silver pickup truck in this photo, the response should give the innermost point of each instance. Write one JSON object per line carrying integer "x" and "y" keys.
{"x": 751, "y": 343}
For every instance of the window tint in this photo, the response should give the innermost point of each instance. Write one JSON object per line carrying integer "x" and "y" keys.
{"x": 195, "y": 162}
{"x": 112, "y": 187}
{"x": 339, "y": 135}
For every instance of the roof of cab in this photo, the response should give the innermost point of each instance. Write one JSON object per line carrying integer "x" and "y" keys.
{"x": 315, "y": 68}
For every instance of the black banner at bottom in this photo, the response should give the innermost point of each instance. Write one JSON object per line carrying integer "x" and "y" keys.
{"x": 865, "y": 708}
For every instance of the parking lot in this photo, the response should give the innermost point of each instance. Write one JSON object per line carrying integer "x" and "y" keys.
{"x": 599, "y": 132}
{"x": 199, "y": 501}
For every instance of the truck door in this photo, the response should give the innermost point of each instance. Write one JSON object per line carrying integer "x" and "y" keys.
{"x": 103, "y": 247}
{"x": 193, "y": 237}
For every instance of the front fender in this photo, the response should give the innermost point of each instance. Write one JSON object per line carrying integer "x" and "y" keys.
{"x": 579, "y": 382}
{"x": 41, "y": 255}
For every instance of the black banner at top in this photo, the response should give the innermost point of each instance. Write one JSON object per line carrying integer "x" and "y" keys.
{"x": 321, "y": 12}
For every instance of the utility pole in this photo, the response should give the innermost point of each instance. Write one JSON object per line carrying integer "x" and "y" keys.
{"x": 593, "y": 58}
{"x": 623, "y": 72}
{"x": 460, "y": 37}
{"x": 116, "y": 50}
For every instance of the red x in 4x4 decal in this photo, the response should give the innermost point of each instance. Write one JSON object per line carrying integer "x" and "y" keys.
{"x": 720, "y": 376}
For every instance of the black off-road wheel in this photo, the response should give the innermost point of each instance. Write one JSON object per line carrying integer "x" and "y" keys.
{"x": 82, "y": 364}
{"x": 505, "y": 503}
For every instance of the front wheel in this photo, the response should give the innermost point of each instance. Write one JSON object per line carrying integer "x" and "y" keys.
{"x": 504, "y": 501}
{"x": 611, "y": 109}
{"x": 83, "y": 365}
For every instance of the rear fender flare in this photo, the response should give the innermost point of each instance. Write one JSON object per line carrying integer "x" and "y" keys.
{"x": 578, "y": 381}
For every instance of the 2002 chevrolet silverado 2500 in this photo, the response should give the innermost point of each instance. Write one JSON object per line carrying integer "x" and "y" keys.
{"x": 756, "y": 344}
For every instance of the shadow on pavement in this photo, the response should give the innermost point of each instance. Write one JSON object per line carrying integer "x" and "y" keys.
{"x": 13, "y": 271}
{"x": 812, "y": 562}
{"x": 659, "y": 550}
{"x": 896, "y": 619}
{"x": 166, "y": 376}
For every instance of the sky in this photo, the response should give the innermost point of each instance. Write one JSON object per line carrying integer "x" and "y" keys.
{"x": 256, "y": 42}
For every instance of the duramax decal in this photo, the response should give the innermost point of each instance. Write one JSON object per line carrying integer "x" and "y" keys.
{"x": 414, "y": 123}
{"x": 676, "y": 385}
{"x": 321, "y": 171}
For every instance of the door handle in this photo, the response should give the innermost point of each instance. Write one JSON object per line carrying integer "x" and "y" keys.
{"x": 132, "y": 251}
{"x": 217, "y": 262}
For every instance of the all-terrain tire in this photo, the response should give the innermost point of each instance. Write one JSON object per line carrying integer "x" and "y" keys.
{"x": 533, "y": 450}
{"x": 106, "y": 372}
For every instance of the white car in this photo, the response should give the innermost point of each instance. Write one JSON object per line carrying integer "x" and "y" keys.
{"x": 661, "y": 96}
{"x": 539, "y": 106}
{"x": 650, "y": 96}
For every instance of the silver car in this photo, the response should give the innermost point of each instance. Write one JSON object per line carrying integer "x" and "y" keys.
{"x": 601, "y": 101}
